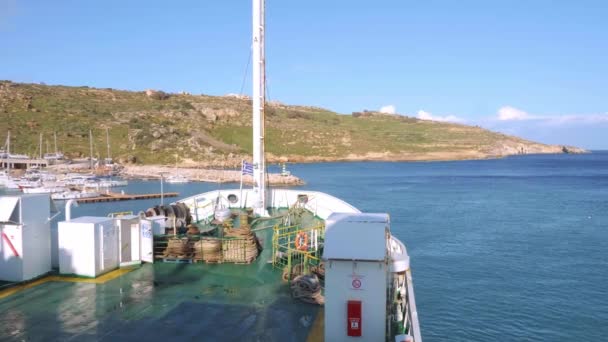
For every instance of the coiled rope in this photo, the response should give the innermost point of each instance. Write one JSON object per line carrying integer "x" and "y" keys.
{"x": 209, "y": 250}
{"x": 307, "y": 288}
{"x": 177, "y": 248}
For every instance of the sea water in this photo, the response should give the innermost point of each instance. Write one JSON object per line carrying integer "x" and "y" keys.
{"x": 512, "y": 249}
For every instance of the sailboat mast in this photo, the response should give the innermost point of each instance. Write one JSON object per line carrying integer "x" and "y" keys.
{"x": 40, "y": 147}
{"x": 91, "y": 148}
{"x": 108, "y": 141}
{"x": 258, "y": 101}
{"x": 8, "y": 151}
{"x": 55, "y": 137}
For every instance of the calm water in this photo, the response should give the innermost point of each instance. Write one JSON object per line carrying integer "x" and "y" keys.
{"x": 513, "y": 249}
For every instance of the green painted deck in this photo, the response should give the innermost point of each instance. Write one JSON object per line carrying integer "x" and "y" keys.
{"x": 162, "y": 302}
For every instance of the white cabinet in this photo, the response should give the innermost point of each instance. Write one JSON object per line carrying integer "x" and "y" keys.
{"x": 25, "y": 237}
{"x": 88, "y": 246}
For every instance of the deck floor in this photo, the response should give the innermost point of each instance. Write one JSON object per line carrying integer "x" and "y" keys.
{"x": 161, "y": 302}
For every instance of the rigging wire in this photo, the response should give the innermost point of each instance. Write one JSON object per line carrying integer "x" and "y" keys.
{"x": 246, "y": 72}
{"x": 267, "y": 90}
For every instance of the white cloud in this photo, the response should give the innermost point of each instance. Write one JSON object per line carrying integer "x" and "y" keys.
{"x": 583, "y": 130}
{"x": 508, "y": 113}
{"x": 577, "y": 118}
{"x": 422, "y": 115}
{"x": 390, "y": 109}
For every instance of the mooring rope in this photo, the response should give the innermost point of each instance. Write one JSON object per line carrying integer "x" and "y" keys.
{"x": 307, "y": 288}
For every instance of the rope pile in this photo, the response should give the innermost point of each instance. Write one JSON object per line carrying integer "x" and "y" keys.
{"x": 307, "y": 288}
{"x": 296, "y": 270}
{"x": 243, "y": 247}
{"x": 319, "y": 270}
{"x": 177, "y": 248}
{"x": 244, "y": 221}
{"x": 209, "y": 250}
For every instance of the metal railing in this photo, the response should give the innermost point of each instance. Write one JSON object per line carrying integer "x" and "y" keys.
{"x": 412, "y": 324}
{"x": 295, "y": 245}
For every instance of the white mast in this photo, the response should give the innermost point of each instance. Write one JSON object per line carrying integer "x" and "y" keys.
{"x": 91, "y": 148}
{"x": 40, "y": 147}
{"x": 259, "y": 93}
{"x": 108, "y": 142}
{"x": 8, "y": 152}
{"x": 55, "y": 137}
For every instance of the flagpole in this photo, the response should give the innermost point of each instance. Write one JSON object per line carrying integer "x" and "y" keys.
{"x": 241, "y": 188}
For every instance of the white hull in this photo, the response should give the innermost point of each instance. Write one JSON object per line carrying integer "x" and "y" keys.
{"x": 74, "y": 195}
{"x": 43, "y": 190}
{"x": 20, "y": 184}
{"x": 177, "y": 180}
{"x": 106, "y": 184}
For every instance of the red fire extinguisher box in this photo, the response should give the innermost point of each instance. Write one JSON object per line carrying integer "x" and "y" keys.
{"x": 353, "y": 313}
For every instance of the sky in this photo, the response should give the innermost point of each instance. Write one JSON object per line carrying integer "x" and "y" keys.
{"x": 537, "y": 69}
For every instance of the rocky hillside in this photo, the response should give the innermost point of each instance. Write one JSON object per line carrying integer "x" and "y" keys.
{"x": 152, "y": 127}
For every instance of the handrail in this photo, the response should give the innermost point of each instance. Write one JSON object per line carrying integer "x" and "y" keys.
{"x": 412, "y": 313}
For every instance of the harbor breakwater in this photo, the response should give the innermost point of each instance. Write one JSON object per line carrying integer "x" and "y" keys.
{"x": 203, "y": 175}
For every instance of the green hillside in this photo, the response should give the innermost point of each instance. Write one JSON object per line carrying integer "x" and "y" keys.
{"x": 153, "y": 127}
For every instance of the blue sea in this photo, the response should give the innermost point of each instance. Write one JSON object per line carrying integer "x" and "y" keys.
{"x": 512, "y": 249}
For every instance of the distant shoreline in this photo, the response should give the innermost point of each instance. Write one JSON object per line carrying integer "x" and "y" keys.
{"x": 414, "y": 157}
{"x": 203, "y": 175}
{"x": 207, "y": 173}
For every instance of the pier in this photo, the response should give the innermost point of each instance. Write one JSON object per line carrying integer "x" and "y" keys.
{"x": 113, "y": 196}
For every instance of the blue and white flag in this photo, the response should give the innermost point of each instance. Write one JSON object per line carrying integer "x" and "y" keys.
{"x": 247, "y": 168}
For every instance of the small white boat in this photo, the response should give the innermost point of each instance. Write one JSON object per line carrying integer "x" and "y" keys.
{"x": 34, "y": 174}
{"x": 11, "y": 184}
{"x": 4, "y": 177}
{"x": 21, "y": 184}
{"x": 43, "y": 190}
{"x": 177, "y": 179}
{"x": 53, "y": 156}
{"x": 106, "y": 184}
{"x": 18, "y": 156}
{"x": 66, "y": 195}
{"x": 29, "y": 184}
{"x": 78, "y": 179}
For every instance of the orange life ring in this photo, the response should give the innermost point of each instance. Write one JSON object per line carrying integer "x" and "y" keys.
{"x": 301, "y": 241}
